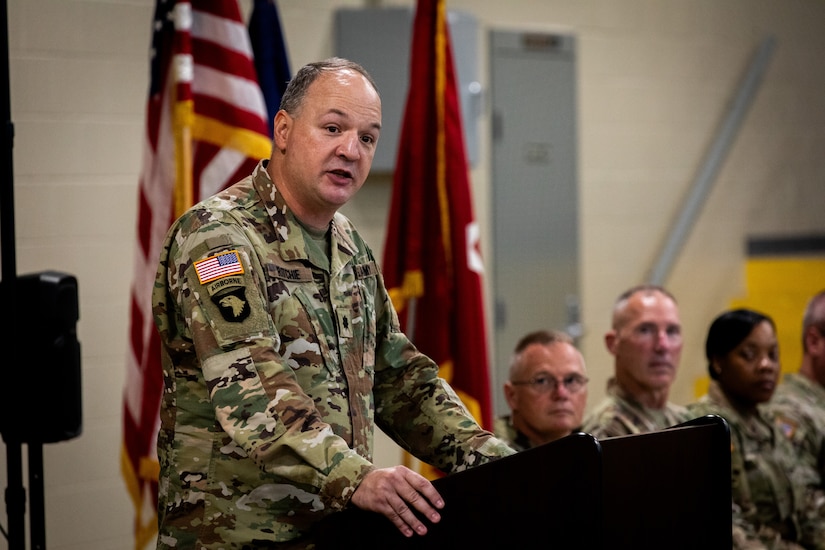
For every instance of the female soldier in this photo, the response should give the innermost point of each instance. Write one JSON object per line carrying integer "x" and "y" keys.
{"x": 770, "y": 488}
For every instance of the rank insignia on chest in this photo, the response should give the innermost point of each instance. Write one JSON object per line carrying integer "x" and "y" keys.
{"x": 344, "y": 322}
{"x": 218, "y": 266}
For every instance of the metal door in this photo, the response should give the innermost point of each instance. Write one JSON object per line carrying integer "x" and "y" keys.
{"x": 534, "y": 190}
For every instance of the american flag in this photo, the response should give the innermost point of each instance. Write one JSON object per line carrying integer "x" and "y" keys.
{"x": 220, "y": 265}
{"x": 206, "y": 128}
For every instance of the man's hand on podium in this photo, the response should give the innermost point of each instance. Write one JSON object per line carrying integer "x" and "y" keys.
{"x": 391, "y": 492}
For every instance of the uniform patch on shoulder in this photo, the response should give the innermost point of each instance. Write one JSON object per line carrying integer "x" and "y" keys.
{"x": 233, "y": 305}
{"x": 219, "y": 266}
{"x": 221, "y": 285}
{"x": 786, "y": 425}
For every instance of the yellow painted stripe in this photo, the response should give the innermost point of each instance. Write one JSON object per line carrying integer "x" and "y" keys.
{"x": 779, "y": 286}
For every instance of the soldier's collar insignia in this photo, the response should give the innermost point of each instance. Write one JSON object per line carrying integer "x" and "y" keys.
{"x": 218, "y": 266}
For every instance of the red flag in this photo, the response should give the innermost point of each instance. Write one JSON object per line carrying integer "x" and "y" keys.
{"x": 432, "y": 261}
{"x": 206, "y": 128}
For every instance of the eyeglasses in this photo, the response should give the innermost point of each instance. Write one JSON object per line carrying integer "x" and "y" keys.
{"x": 544, "y": 383}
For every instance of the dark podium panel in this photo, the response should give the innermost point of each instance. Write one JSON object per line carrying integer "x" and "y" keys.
{"x": 548, "y": 494}
{"x": 668, "y": 489}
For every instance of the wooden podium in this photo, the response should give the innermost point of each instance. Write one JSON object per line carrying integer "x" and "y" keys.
{"x": 667, "y": 489}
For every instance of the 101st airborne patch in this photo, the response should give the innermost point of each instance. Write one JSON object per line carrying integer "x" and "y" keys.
{"x": 221, "y": 275}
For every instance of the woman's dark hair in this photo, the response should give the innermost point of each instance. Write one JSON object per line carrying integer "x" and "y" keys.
{"x": 728, "y": 330}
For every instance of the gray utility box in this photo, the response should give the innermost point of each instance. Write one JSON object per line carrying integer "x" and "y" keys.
{"x": 380, "y": 39}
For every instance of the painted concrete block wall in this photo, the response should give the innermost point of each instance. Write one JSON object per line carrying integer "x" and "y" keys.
{"x": 655, "y": 80}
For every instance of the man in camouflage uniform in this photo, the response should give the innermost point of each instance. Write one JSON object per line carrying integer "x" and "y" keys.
{"x": 798, "y": 406}
{"x": 546, "y": 391}
{"x": 646, "y": 342}
{"x": 282, "y": 352}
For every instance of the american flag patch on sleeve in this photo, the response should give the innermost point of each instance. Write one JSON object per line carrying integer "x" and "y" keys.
{"x": 219, "y": 265}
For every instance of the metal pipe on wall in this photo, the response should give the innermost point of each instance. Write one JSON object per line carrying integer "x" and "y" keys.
{"x": 716, "y": 155}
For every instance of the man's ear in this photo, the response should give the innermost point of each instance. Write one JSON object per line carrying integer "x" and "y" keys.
{"x": 814, "y": 341}
{"x": 281, "y": 128}
{"x": 510, "y": 395}
{"x": 610, "y": 341}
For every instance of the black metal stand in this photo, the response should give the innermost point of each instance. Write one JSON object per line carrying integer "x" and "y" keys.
{"x": 37, "y": 501}
{"x": 15, "y": 496}
{"x": 15, "y": 492}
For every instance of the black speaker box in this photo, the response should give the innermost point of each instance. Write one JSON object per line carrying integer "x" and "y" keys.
{"x": 42, "y": 386}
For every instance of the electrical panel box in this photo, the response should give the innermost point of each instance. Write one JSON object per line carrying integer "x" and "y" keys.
{"x": 380, "y": 39}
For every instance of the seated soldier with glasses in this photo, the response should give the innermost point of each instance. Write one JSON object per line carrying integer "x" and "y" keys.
{"x": 546, "y": 391}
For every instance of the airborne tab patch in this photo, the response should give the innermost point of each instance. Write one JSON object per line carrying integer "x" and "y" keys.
{"x": 218, "y": 266}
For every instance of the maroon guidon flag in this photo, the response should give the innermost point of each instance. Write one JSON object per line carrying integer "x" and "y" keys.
{"x": 432, "y": 261}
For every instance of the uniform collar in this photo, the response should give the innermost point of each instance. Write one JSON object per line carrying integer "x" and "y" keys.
{"x": 288, "y": 230}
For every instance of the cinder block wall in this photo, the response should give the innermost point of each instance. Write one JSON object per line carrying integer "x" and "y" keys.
{"x": 655, "y": 79}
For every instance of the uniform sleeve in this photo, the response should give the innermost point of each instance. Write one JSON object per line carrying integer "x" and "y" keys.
{"x": 254, "y": 394}
{"x": 795, "y": 419}
{"x": 419, "y": 410}
{"x": 810, "y": 496}
{"x": 813, "y": 518}
{"x": 607, "y": 420}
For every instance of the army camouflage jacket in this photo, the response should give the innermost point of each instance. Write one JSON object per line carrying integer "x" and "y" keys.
{"x": 504, "y": 430}
{"x": 798, "y": 408}
{"x": 278, "y": 362}
{"x": 772, "y": 488}
{"x": 620, "y": 414}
